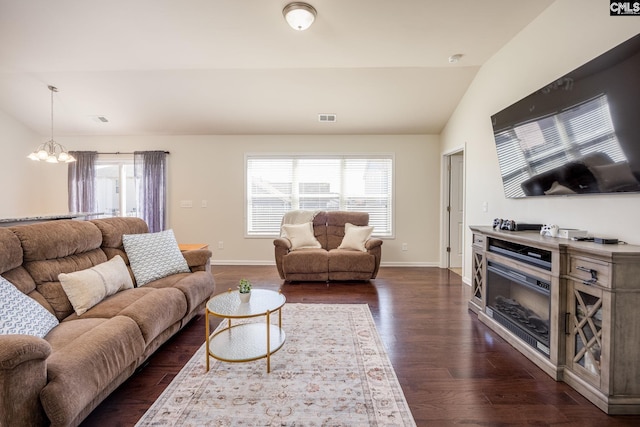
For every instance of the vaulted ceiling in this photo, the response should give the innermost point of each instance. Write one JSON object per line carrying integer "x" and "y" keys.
{"x": 194, "y": 67}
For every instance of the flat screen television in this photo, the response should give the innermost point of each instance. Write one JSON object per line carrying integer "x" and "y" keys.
{"x": 580, "y": 134}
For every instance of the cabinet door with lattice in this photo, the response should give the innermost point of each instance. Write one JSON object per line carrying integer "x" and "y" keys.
{"x": 477, "y": 278}
{"x": 586, "y": 328}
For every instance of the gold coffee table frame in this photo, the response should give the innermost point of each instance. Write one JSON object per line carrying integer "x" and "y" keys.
{"x": 248, "y": 341}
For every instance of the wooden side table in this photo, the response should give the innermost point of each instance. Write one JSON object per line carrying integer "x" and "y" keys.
{"x": 192, "y": 246}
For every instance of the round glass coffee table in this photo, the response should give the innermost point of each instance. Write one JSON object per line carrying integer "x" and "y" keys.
{"x": 246, "y": 341}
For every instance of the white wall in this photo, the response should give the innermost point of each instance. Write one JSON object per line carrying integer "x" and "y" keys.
{"x": 24, "y": 188}
{"x": 212, "y": 168}
{"x": 565, "y": 36}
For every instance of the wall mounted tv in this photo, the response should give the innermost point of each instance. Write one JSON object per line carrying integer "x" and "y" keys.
{"x": 580, "y": 134}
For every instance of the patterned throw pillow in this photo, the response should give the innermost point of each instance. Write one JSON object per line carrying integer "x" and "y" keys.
{"x": 154, "y": 255}
{"x": 21, "y": 314}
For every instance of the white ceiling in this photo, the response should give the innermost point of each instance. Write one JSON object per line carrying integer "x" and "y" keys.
{"x": 194, "y": 67}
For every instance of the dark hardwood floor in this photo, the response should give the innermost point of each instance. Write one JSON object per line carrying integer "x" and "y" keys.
{"x": 452, "y": 368}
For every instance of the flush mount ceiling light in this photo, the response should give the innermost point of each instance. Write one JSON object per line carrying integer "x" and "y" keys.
{"x": 299, "y": 15}
{"x": 51, "y": 151}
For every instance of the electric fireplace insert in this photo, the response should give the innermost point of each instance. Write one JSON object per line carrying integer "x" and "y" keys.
{"x": 521, "y": 303}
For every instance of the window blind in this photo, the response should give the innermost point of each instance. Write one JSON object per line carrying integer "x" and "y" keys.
{"x": 278, "y": 184}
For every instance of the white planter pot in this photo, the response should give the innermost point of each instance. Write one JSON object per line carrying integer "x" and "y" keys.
{"x": 245, "y": 297}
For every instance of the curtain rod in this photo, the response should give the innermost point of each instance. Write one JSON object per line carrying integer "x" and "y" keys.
{"x": 120, "y": 152}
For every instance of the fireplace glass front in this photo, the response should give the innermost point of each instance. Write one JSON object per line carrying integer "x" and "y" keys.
{"x": 521, "y": 303}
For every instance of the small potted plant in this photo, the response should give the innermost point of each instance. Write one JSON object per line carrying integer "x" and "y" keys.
{"x": 244, "y": 289}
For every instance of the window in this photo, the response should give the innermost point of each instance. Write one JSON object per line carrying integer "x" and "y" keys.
{"x": 115, "y": 186}
{"x": 276, "y": 184}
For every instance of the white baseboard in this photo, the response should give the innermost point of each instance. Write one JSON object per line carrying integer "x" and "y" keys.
{"x": 466, "y": 281}
{"x": 408, "y": 264}
{"x": 241, "y": 262}
{"x": 383, "y": 264}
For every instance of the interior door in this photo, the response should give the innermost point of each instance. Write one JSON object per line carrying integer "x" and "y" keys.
{"x": 456, "y": 209}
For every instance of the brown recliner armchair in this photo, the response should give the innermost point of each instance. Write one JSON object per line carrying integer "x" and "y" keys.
{"x": 329, "y": 262}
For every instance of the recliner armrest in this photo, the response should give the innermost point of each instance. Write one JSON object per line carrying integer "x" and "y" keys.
{"x": 198, "y": 259}
{"x": 372, "y": 243}
{"x": 281, "y": 247}
{"x": 23, "y": 375}
{"x": 282, "y": 242}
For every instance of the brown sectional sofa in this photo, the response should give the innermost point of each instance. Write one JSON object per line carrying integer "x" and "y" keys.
{"x": 60, "y": 379}
{"x": 328, "y": 262}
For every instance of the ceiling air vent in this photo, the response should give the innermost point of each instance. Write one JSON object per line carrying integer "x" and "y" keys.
{"x": 330, "y": 118}
{"x": 99, "y": 119}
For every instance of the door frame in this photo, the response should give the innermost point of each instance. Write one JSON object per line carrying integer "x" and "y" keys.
{"x": 445, "y": 225}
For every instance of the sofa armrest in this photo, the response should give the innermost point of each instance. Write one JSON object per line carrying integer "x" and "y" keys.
{"x": 372, "y": 243}
{"x": 374, "y": 247}
{"x": 282, "y": 242}
{"x": 198, "y": 259}
{"x": 281, "y": 248}
{"x": 23, "y": 374}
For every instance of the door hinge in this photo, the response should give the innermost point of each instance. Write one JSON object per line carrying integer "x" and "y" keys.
{"x": 448, "y": 208}
{"x": 448, "y": 249}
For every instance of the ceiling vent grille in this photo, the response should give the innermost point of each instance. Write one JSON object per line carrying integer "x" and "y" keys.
{"x": 329, "y": 118}
{"x": 99, "y": 119}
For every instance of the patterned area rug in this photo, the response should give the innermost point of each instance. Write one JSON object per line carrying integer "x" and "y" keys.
{"x": 331, "y": 371}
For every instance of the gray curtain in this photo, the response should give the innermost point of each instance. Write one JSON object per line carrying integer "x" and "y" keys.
{"x": 150, "y": 168}
{"x": 82, "y": 181}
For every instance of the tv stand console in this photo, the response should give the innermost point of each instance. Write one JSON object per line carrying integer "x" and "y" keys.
{"x": 591, "y": 333}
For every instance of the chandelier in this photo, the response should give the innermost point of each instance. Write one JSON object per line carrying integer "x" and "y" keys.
{"x": 51, "y": 151}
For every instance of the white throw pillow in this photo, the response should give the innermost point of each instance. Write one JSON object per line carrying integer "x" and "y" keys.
{"x": 153, "y": 256}
{"x": 355, "y": 237}
{"x": 301, "y": 236}
{"x": 20, "y": 314}
{"x": 86, "y": 288}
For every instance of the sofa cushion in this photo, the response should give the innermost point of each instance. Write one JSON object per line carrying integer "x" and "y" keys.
{"x": 355, "y": 237}
{"x": 112, "y": 231}
{"x": 306, "y": 261}
{"x": 197, "y": 287}
{"x": 350, "y": 261}
{"x": 86, "y": 288}
{"x": 336, "y": 221}
{"x": 57, "y": 239}
{"x": 301, "y": 236}
{"x": 112, "y": 305}
{"x": 157, "y": 311}
{"x": 154, "y": 255}
{"x": 21, "y": 314}
{"x": 10, "y": 250}
{"x": 54, "y": 247}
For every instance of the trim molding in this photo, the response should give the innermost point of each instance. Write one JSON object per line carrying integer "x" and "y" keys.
{"x": 382, "y": 264}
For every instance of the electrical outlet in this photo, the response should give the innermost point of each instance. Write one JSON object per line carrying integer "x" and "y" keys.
{"x": 203, "y": 204}
{"x": 405, "y": 247}
{"x": 220, "y": 244}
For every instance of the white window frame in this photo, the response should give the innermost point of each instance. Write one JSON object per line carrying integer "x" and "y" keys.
{"x": 389, "y": 156}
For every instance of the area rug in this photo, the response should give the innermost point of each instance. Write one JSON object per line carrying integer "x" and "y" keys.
{"x": 332, "y": 371}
